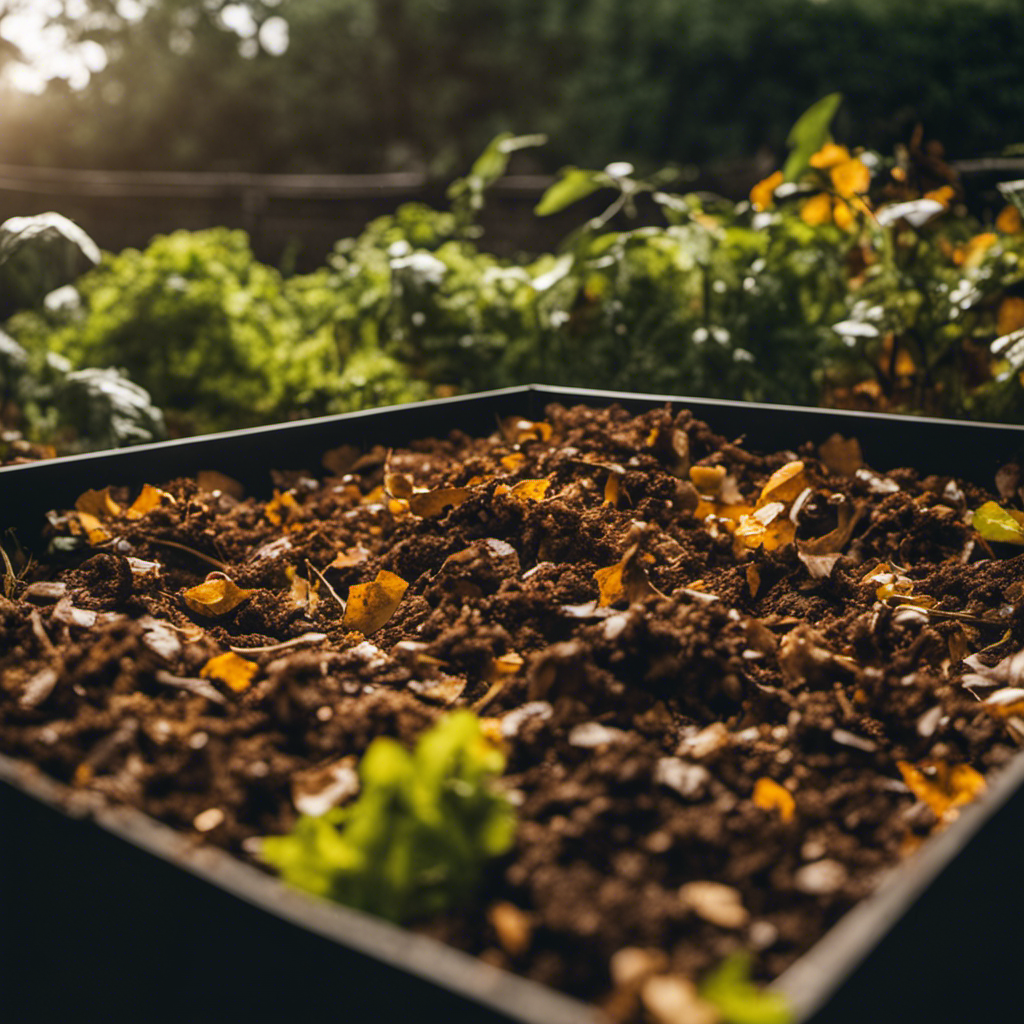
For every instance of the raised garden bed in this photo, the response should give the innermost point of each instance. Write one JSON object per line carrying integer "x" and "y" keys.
{"x": 822, "y": 732}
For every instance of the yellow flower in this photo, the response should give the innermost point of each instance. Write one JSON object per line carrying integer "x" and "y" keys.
{"x": 1010, "y": 317}
{"x": 944, "y": 195}
{"x": 829, "y": 156}
{"x": 1009, "y": 221}
{"x": 851, "y": 177}
{"x": 762, "y": 194}
{"x": 974, "y": 251}
{"x": 817, "y": 210}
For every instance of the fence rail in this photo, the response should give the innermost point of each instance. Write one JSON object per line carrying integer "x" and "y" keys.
{"x": 304, "y": 214}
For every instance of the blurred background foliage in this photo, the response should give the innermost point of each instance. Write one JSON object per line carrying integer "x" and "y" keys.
{"x": 371, "y": 85}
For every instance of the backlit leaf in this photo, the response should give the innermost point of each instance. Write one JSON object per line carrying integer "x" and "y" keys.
{"x": 943, "y": 787}
{"x": 210, "y": 480}
{"x": 612, "y": 490}
{"x": 235, "y": 672}
{"x": 996, "y": 523}
{"x": 770, "y": 796}
{"x": 624, "y": 581}
{"x": 738, "y": 1000}
{"x": 830, "y": 155}
{"x": 514, "y": 462}
{"x": 785, "y": 484}
{"x": 575, "y": 184}
{"x": 370, "y": 605}
{"x": 762, "y": 195}
{"x": 218, "y": 595}
{"x": 530, "y": 490}
{"x": 149, "y": 498}
{"x": 809, "y": 134}
{"x": 98, "y": 503}
{"x": 95, "y": 532}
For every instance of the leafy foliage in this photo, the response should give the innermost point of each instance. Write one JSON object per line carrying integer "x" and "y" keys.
{"x": 418, "y": 837}
{"x": 738, "y": 1000}
{"x": 217, "y": 338}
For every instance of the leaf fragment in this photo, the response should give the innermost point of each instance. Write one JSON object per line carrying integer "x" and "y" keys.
{"x": 217, "y": 595}
{"x": 770, "y": 796}
{"x": 624, "y": 581}
{"x": 149, "y": 498}
{"x": 707, "y": 479}
{"x": 998, "y": 524}
{"x": 516, "y": 430}
{"x": 370, "y": 605}
{"x": 841, "y": 456}
{"x": 210, "y": 481}
{"x": 785, "y": 484}
{"x": 431, "y": 504}
{"x": 513, "y": 462}
{"x": 283, "y": 509}
{"x": 233, "y": 671}
{"x": 766, "y": 527}
{"x": 86, "y": 523}
{"x": 612, "y": 490}
{"x": 98, "y": 503}
{"x": 738, "y": 1000}
{"x": 942, "y": 786}
{"x": 820, "y": 554}
{"x": 351, "y": 557}
{"x": 525, "y": 490}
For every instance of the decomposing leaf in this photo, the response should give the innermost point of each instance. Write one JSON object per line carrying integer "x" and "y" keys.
{"x": 370, "y": 605}
{"x": 500, "y": 671}
{"x": 340, "y": 460}
{"x": 350, "y": 557}
{"x": 211, "y": 481}
{"x": 442, "y": 689}
{"x": 525, "y": 490}
{"x": 98, "y": 504}
{"x": 378, "y": 496}
{"x": 770, "y": 796}
{"x": 753, "y": 580}
{"x": 283, "y": 509}
{"x": 707, "y": 479}
{"x": 841, "y": 456}
{"x": 218, "y": 595}
{"x": 612, "y": 490}
{"x": 766, "y": 527}
{"x": 87, "y": 524}
{"x": 430, "y": 504}
{"x": 235, "y": 672}
{"x": 149, "y": 498}
{"x": 943, "y": 787}
{"x": 302, "y": 593}
{"x": 1006, "y": 702}
{"x": 820, "y": 554}
{"x": 624, "y": 581}
{"x": 514, "y": 462}
{"x": 998, "y": 524}
{"x": 517, "y": 430}
{"x": 785, "y": 484}
{"x": 398, "y": 485}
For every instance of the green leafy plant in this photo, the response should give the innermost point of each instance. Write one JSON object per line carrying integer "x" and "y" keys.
{"x": 738, "y": 1000}
{"x": 417, "y": 839}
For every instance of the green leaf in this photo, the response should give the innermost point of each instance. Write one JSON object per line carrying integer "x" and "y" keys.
{"x": 809, "y": 134}
{"x": 492, "y": 163}
{"x": 574, "y": 185}
{"x": 995, "y": 523}
{"x": 1014, "y": 192}
{"x": 739, "y": 1001}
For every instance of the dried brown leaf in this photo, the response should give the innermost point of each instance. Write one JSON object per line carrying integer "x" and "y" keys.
{"x": 841, "y": 456}
{"x": 98, "y": 503}
{"x": 430, "y": 504}
{"x": 370, "y": 605}
{"x": 210, "y": 481}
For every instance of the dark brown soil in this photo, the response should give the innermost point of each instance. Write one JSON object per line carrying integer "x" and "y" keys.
{"x": 637, "y": 734}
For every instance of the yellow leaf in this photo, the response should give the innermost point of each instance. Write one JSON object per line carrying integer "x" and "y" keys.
{"x": 766, "y": 528}
{"x": 96, "y": 533}
{"x": 770, "y": 796}
{"x": 98, "y": 503}
{"x": 218, "y": 595}
{"x": 830, "y": 155}
{"x": 817, "y": 210}
{"x": 785, "y": 484}
{"x": 974, "y": 251}
{"x": 282, "y": 508}
{"x": 944, "y": 195}
{"x": 762, "y": 195}
{"x": 514, "y": 462}
{"x": 1010, "y": 317}
{"x": 530, "y": 490}
{"x": 843, "y": 215}
{"x": 624, "y": 581}
{"x": 233, "y": 671}
{"x": 370, "y": 605}
{"x": 353, "y": 556}
{"x": 612, "y": 490}
{"x": 707, "y": 479}
{"x": 150, "y": 497}
{"x": 507, "y": 665}
{"x": 851, "y": 177}
{"x": 943, "y": 787}
{"x": 210, "y": 480}
{"x": 1009, "y": 221}
{"x": 517, "y": 430}
{"x": 753, "y": 580}
{"x": 430, "y": 504}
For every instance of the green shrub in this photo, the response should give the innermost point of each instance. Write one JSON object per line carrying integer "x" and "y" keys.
{"x": 417, "y": 839}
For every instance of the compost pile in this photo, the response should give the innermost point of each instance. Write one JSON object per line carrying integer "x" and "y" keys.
{"x": 731, "y": 688}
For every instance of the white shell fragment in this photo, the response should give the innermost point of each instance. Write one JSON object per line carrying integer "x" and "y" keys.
{"x": 719, "y": 904}
{"x": 513, "y": 721}
{"x": 38, "y": 688}
{"x": 160, "y": 637}
{"x": 877, "y": 484}
{"x": 821, "y": 878}
{"x": 594, "y": 734}
{"x": 688, "y": 780}
{"x": 851, "y": 739}
{"x": 316, "y": 792}
{"x": 45, "y": 592}
{"x": 208, "y": 820}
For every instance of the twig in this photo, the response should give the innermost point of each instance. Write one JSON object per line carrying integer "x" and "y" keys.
{"x": 330, "y": 589}
{"x": 223, "y": 566}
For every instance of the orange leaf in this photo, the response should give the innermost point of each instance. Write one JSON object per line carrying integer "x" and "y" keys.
{"x": 943, "y": 787}
{"x": 282, "y": 508}
{"x": 530, "y": 490}
{"x": 1009, "y": 221}
{"x": 830, "y": 155}
{"x": 98, "y": 503}
{"x": 94, "y": 530}
{"x": 974, "y": 251}
{"x": 513, "y": 462}
{"x": 785, "y": 484}
{"x": 817, "y": 210}
{"x": 518, "y": 430}
{"x": 430, "y": 504}
{"x": 624, "y": 581}
{"x": 235, "y": 672}
{"x": 766, "y": 527}
{"x": 1010, "y": 317}
{"x": 612, "y": 490}
{"x": 218, "y": 595}
{"x": 945, "y": 195}
{"x": 770, "y": 796}
{"x": 370, "y": 605}
{"x": 150, "y": 497}
{"x": 707, "y": 479}
{"x": 851, "y": 178}
{"x": 762, "y": 195}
